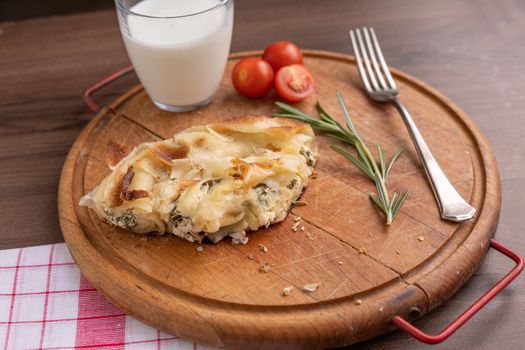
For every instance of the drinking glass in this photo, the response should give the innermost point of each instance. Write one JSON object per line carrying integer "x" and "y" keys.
{"x": 179, "y": 48}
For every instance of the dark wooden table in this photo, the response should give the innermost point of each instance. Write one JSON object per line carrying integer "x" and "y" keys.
{"x": 473, "y": 51}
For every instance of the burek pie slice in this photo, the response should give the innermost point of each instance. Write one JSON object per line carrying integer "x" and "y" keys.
{"x": 210, "y": 181}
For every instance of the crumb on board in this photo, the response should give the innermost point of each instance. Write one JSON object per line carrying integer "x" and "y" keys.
{"x": 297, "y": 218}
{"x": 287, "y": 291}
{"x": 421, "y": 238}
{"x": 339, "y": 263}
{"x": 370, "y": 234}
{"x": 249, "y": 256}
{"x": 200, "y": 248}
{"x": 264, "y": 267}
{"x": 381, "y": 309}
{"x": 295, "y": 226}
{"x": 300, "y": 203}
{"x": 362, "y": 250}
{"x": 311, "y": 287}
{"x": 358, "y": 302}
{"x": 143, "y": 239}
{"x": 302, "y": 228}
{"x": 309, "y": 236}
{"x": 398, "y": 252}
{"x": 263, "y": 248}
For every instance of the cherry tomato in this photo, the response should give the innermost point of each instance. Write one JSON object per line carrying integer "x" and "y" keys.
{"x": 294, "y": 83}
{"x": 282, "y": 53}
{"x": 252, "y": 77}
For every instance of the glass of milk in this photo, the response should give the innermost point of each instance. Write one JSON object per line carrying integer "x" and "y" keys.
{"x": 179, "y": 48}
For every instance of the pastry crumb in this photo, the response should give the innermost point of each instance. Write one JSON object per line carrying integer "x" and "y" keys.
{"x": 297, "y": 218}
{"x": 300, "y": 203}
{"x": 309, "y": 236}
{"x": 264, "y": 268}
{"x": 358, "y": 302}
{"x": 362, "y": 250}
{"x": 200, "y": 248}
{"x": 398, "y": 252}
{"x": 311, "y": 287}
{"x": 287, "y": 291}
{"x": 302, "y": 228}
{"x": 249, "y": 256}
{"x": 263, "y": 248}
{"x": 339, "y": 263}
{"x": 420, "y": 238}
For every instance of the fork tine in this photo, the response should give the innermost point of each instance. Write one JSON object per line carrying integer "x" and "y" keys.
{"x": 367, "y": 61}
{"x": 384, "y": 66}
{"x": 360, "y": 67}
{"x": 382, "y": 82}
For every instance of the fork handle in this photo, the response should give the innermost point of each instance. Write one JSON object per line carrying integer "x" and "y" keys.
{"x": 451, "y": 205}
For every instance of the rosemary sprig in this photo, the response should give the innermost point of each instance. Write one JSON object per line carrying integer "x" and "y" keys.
{"x": 377, "y": 171}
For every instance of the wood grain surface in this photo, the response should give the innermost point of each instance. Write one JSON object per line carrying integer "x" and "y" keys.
{"x": 367, "y": 273}
{"x": 468, "y": 49}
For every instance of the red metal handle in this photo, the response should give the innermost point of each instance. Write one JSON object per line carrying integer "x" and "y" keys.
{"x": 473, "y": 309}
{"x": 86, "y": 95}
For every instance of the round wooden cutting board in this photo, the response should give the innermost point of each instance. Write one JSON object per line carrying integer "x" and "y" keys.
{"x": 367, "y": 273}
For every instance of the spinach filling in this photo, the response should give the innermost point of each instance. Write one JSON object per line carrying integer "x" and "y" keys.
{"x": 262, "y": 190}
{"x": 307, "y": 154}
{"x": 128, "y": 220}
{"x": 176, "y": 218}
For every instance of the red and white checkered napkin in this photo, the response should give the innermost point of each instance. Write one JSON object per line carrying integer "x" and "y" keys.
{"x": 46, "y": 303}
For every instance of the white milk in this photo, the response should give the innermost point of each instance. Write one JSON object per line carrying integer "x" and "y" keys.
{"x": 180, "y": 61}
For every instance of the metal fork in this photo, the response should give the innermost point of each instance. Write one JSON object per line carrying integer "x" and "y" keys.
{"x": 380, "y": 86}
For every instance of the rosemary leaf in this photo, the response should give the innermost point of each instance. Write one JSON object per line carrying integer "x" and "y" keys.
{"x": 383, "y": 196}
{"x": 393, "y": 200}
{"x": 399, "y": 203}
{"x": 362, "y": 156}
{"x": 357, "y": 162}
{"x": 394, "y": 158}
{"x": 348, "y": 121}
{"x": 377, "y": 202}
{"x": 341, "y": 138}
{"x": 307, "y": 119}
{"x": 292, "y": 110}
{"x": 381, "y": 160}
{"x": 349, "y": 138}
{"x": 325, "y": 116}
{"x": 317, "y": 124}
